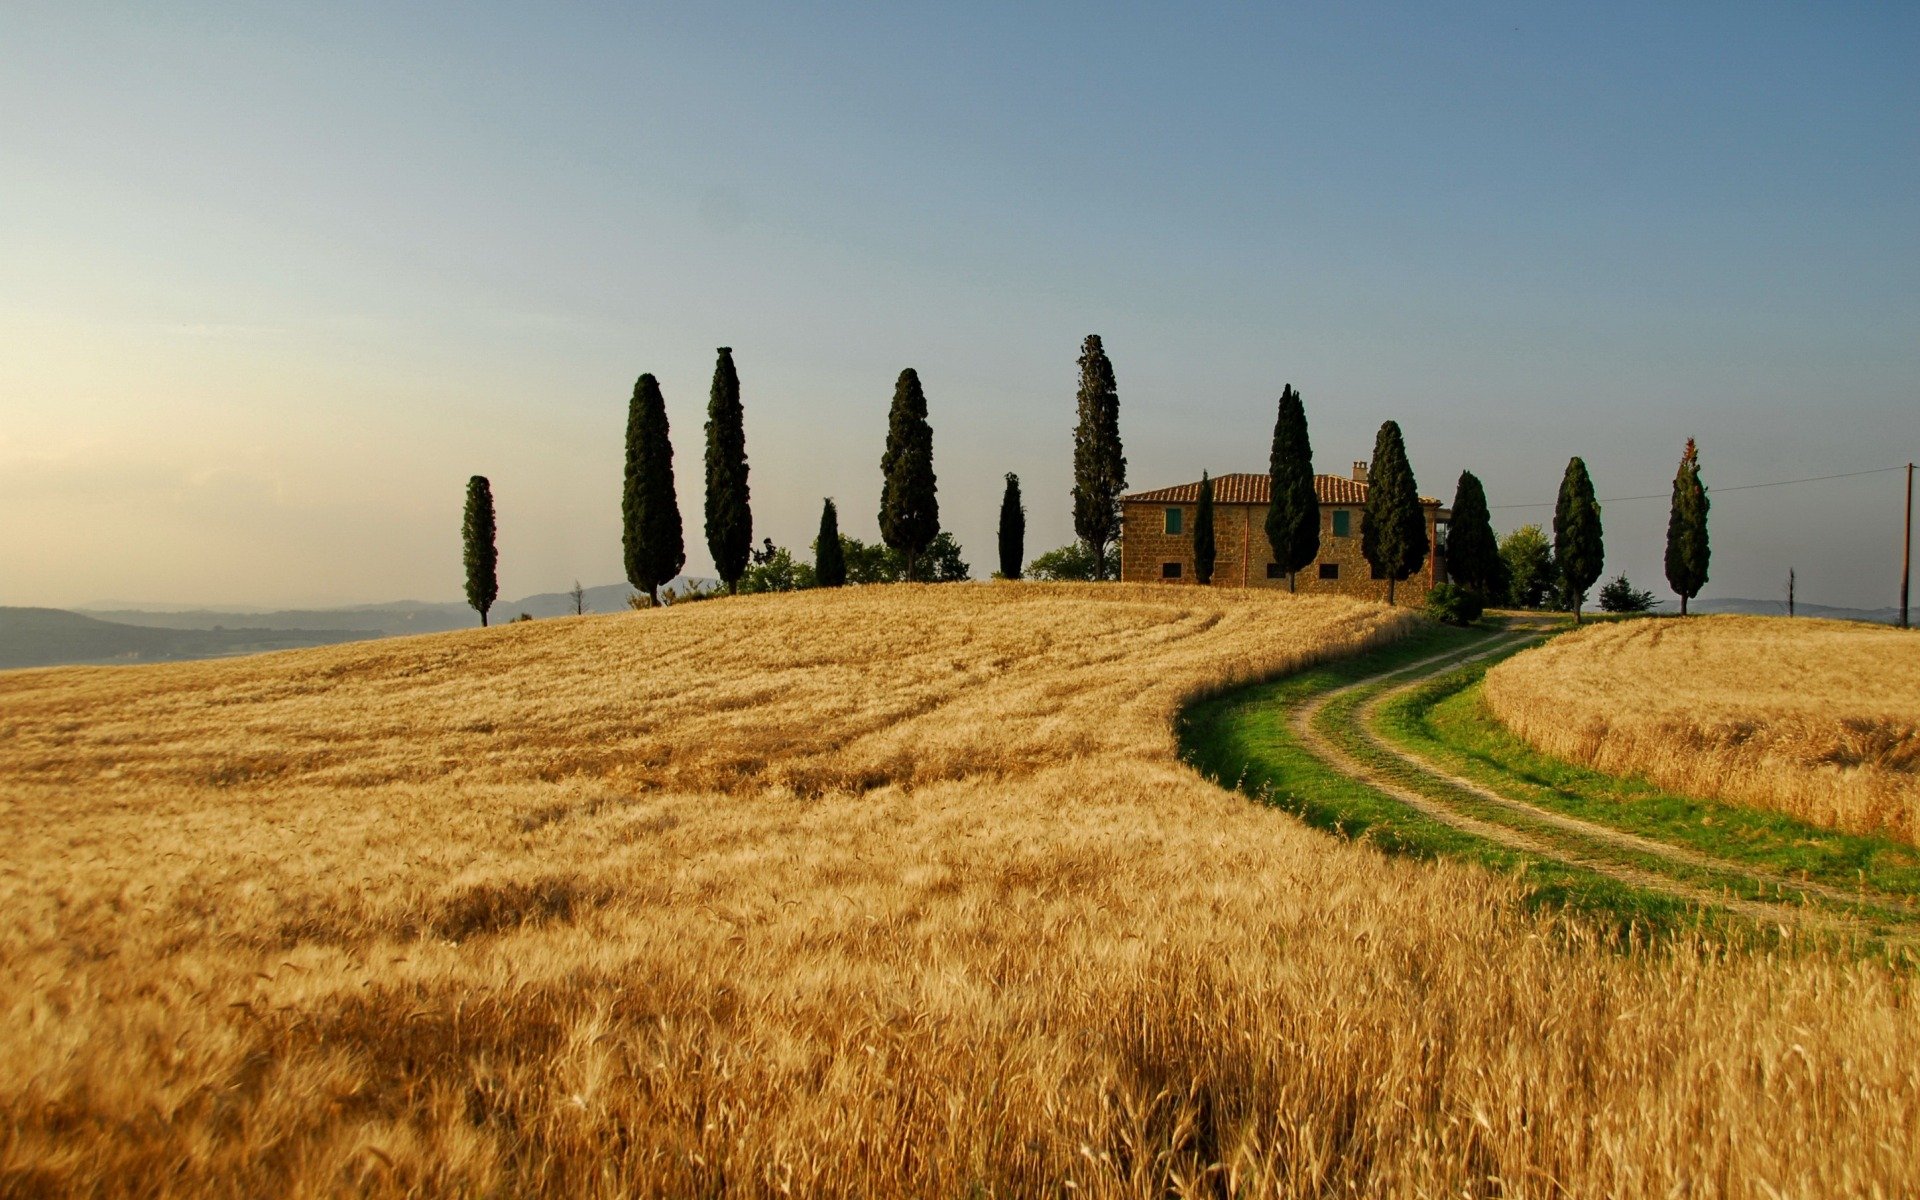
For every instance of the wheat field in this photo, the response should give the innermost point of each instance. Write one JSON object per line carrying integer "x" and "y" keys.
{"x": 890, "y": 891}
{"x": 1817, "y": 719}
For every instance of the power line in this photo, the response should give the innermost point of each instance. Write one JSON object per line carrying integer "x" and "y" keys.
{"x": 1745, "y": 487}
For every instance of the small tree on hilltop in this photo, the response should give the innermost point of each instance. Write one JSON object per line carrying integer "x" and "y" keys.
{"x": 1620, "y": 596}
{"x": 1013, "y": 529}
{"x": 1578, "y": 551}
{"x": 1293, "y": 512}
{"x": 729, "y": 515}
{"x": 1203, "y": 547}
{"x": 909, "y": 499}
{"x": 1473, "y": 556}
{"x": 829, "y": 556}
{"x": 477, "y": 538}
{"x": 1687, "y": 550}
{"x": 650, "y": 533}
{"x": 1393, "y": 529}
{"x": 1527, "y": 560}
{"x": 1099, "y": 467}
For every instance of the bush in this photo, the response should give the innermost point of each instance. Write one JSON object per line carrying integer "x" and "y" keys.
{"x": 774, "y": 569}
{"x": 1619, "y": 596}
{"x": 1072, "y": 563}
{"x": 1452, "y": 604}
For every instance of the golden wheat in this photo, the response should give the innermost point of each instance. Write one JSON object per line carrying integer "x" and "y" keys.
{"x": 880, "y": 892}
{"x": 1818, "y": 719}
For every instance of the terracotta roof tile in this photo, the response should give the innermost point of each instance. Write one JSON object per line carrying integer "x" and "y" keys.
{"x": 1243, "y": 488}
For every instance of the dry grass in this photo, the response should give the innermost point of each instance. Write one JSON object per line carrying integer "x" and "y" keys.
{"x": 897, "y": 891}
{"x": 1817, "y": 719}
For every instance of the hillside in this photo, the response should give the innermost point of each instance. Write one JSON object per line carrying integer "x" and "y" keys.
{"x": 1817, "y": 719}
{"x": 879, "y": 891}
{"x": 38, "y": 637}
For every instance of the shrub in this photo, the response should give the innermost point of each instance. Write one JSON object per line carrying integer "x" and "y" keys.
{"x": 1454, "y": 605}
{"x": 1620, "y": 596}
{"x": 1074, "y": 563}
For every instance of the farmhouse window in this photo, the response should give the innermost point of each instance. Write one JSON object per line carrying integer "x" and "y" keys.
{"x": 1342, "y": 523}
{"x": 1274, "y": 571}
{"x": 1329, "y": 570}
{"x": 1173, "y": 520}
{"x": 1170, "y": 570}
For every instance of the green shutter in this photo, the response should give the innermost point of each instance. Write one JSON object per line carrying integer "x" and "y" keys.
{"x": 1173, "y": 520}
{"x": 1342, "y": 523}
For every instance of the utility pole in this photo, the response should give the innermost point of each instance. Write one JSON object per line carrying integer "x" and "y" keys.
{"x": 1789, "y": 591}
{"x": 1906, "y": 552}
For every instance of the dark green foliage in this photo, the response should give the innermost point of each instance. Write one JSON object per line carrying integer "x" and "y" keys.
{"x": 650, "y": 531}
{"x": 1203, "y": 533}
{"x": 1393, "y": 527}
{"x": 1473, "y": 556}
{"x": 774, "y": 569}
{"x": 729, "y": 516}
{"x": 880, "y": 563}
{"x": 1527, "y": 562}
{"x": 1578, "y": 551}
{"x": 1013, "y": 529}
{"x": 829, "y": 558}
{"x": 1454, "y": 604}
{"x": 1099, "y": 467}
{"x": 1620, "y": 596}
{"x": 477, "y": 538}
{"x": 1074, "y": 563}
{"x": 1293, "y": 515}
{"x": 1687, "y": 549}
{"x": 909, "y": 500}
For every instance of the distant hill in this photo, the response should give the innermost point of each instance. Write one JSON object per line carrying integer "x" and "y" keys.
{"x": 1778, "y": 608}
{"x": 46, "y": 637}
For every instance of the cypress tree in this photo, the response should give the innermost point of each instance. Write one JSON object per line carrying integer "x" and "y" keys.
{"x": 1473, "y": 553}
{"x": 829, "y": 558}
{"x": 649, "y": 510}
{"x": 729, "y": 519}
{"x": 482, "y": 558}
{"x": 1578, "y": 552}
{"x": 1013, "y": 529}
{"x": 1203, "y": 532}
{"x": 1393, "y": 530}
{"x": 1099, "y": 467}
{"x": 909, "y": 504}
{"x": 1687, "y": 549}
{"x": 1293, "y": 513}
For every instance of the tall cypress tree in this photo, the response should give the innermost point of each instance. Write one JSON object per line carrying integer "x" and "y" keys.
{"x": 1013, "y": 529}
{"x": 1473, "y": 553}
{"x": 1099, "y": 467}
{"x": 729, "y": 519}
{"x": 1687, "y": 549}
{"x": 1393, "y": 529}
{"x": 909, "y": 503}
{"x": 1203, "y": 532}
{"x": 1293, "y": 513}
{"x": 482, "y": 558}
{"x": 829, "y": 558}
{"x": 649, "y": 511}
{"x": 1578, "y": 551}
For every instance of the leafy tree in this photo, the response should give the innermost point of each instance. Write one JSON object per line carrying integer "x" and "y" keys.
{"x": 1452, "y": 604}
{"x": 1393, "y": 528}
{"x": 1620, "y": 596}
{"x": 1473, "y": 555}
{"x": 650, "y": 531}
{"x": 774, "y": 569}
{"x": 880, "y": 563}
{"x": 1013, "y": 529}
{"x": 1099, "y": 467}
{"x": 1293, "y": 513}
{"x": 1203, "y": 533}
{"x": 482, "y": 557}
{"x": 909, "y": 503}
{"x": 1578, "y": 551}
{"x": 1528, "y": 563}
{"x": 729, "y": 516}
{"x": 829, "y": 558}
{"x": 1073, "y": 563}
{"x": 1687, "y": 549}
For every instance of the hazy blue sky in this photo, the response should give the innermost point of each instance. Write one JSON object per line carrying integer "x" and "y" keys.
{"x": 274, "y": 280}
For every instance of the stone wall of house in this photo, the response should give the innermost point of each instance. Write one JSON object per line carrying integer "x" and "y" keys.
{"x": 1242, "y": 557}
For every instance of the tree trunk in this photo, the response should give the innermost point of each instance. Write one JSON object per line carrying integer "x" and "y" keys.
{"x": 1290, "y": 587}
{"x": 1683, "y": 605}
{"x": 655, "y": 592}
{"x": 1390, "y": 582}
{"x": 483, "y": 618}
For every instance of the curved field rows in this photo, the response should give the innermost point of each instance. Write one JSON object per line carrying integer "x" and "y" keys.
{"x": 1816, "y": 719}
{"x": 892, "y": 891}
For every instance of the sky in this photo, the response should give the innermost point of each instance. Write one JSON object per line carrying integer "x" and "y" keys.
{"x": 276, "y": 279}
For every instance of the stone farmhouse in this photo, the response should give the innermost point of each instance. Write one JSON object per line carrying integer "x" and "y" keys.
{"x": 1156, "y": 538}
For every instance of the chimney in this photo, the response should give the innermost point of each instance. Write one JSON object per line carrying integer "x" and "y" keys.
{"x": 1359, "y": 472}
